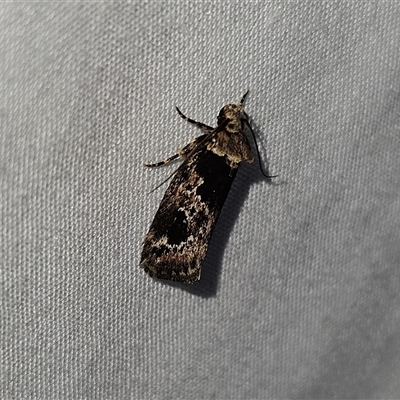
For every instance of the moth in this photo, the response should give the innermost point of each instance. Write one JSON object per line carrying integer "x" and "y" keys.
{"x": 177, "y": 242}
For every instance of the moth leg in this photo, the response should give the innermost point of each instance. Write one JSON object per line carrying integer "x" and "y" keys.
{"x": 246, "y": 121}
{"x": 183, "y": 153}
{"x": 188, "y": 148}
{"x": 200, "y": 125}
{"x": 166, "y": 161}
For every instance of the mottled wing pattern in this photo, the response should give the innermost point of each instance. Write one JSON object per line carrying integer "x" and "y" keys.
{"x": 177, "y": 241}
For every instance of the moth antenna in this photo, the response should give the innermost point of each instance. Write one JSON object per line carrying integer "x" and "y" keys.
{"x": 244, "y": 97}
{"x": 258, "y": 152}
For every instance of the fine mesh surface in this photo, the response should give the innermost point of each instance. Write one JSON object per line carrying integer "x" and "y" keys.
{"x": 300, "y": 293}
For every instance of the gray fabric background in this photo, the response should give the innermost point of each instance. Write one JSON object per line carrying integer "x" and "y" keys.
{"x": 300, "y": 294}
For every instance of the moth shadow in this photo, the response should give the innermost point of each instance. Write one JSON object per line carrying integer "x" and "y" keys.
{"x": 207, "y": 286}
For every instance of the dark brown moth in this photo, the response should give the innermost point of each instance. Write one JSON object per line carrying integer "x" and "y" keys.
{"x": 177, "y": 242}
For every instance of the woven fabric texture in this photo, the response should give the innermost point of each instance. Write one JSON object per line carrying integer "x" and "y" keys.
{"x": 300, "y": 291}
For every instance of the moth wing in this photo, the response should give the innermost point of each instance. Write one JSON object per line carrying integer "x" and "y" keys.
{"x": 177, "y": 242}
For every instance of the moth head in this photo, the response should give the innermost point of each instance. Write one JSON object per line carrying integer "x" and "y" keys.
{"x": 232, "y": 112}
